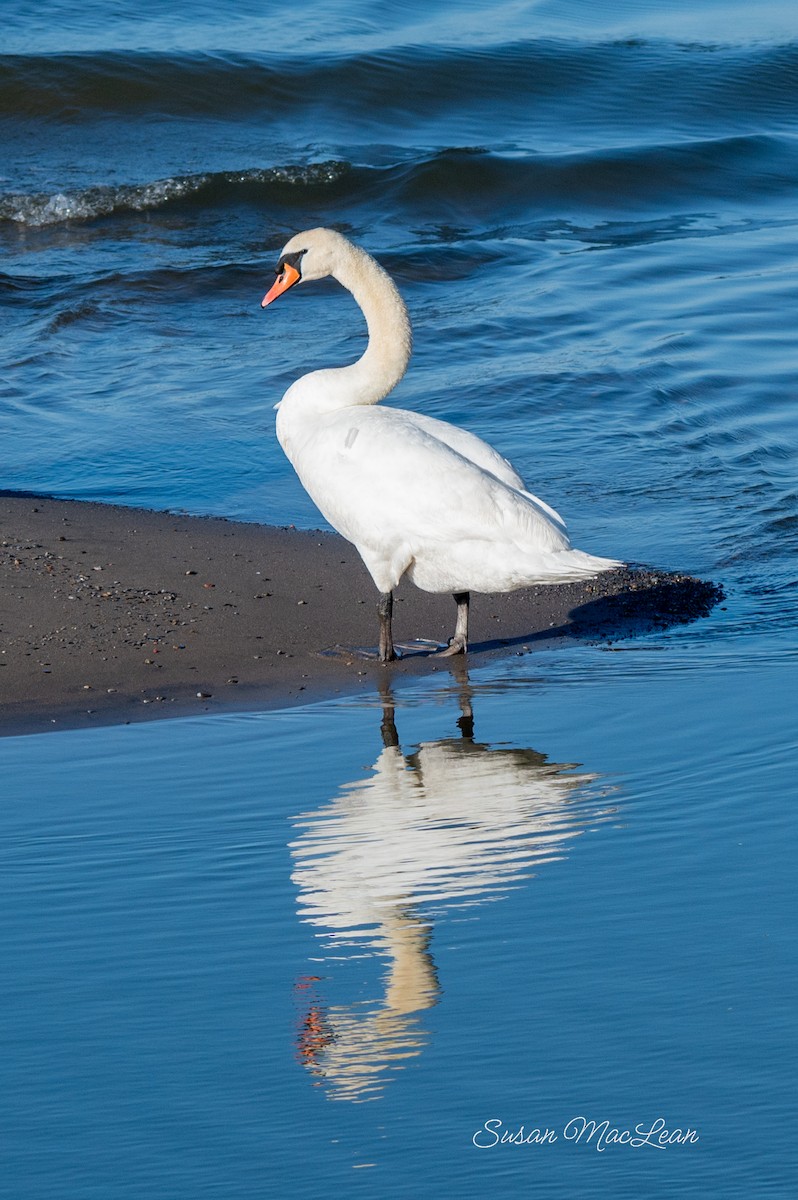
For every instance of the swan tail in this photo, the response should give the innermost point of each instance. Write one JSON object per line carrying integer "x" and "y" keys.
{"x": 570, "y": 565}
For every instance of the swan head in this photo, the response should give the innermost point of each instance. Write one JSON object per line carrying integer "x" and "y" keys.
{"x": 306, "y": 256}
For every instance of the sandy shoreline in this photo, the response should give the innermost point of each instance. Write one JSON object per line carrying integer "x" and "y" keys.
{"x": 112, "y": 614}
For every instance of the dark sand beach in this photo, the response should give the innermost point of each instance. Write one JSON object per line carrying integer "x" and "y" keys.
{"x": 112, "y": 614}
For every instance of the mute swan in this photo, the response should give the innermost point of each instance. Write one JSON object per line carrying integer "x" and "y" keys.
{"x": 415, "y": 495}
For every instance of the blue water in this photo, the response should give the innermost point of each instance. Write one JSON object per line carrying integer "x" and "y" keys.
{"x": 320, "y": 949}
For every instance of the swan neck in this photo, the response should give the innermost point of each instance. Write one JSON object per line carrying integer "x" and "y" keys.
{"x": 387, "y": 354}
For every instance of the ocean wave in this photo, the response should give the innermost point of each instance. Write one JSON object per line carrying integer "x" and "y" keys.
{"x": 458, "y": 186}
{"x": 213, "y": 188}
{"x": 640, "y": 78}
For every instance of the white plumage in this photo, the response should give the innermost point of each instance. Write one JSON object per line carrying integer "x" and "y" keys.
{"x": 415, "y": 495}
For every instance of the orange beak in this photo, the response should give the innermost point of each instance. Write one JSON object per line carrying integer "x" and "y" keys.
{"x": 285, "y": 280}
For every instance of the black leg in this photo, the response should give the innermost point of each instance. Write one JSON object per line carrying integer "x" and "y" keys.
{"x": 385, "y": 609}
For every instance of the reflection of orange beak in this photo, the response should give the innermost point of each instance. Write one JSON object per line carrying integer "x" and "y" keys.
{"x": 285, "y": 280}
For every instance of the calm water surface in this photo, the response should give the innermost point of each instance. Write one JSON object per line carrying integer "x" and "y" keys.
{"x": 574, "y": 901}
{"x": 321, "y": 949}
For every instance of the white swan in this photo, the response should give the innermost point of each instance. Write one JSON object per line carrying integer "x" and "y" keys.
{"x": 415, "y": 495}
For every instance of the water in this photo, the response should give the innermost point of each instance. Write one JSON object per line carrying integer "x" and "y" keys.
{"x": 230, "y": 967}
{"x": 323, "y": 948}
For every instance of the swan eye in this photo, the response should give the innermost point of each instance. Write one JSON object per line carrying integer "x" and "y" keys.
{"x": 290, "y": 260}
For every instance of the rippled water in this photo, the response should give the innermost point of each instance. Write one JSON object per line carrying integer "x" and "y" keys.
{"x": 558, "y": 889}
{"x": 561, "y": 893}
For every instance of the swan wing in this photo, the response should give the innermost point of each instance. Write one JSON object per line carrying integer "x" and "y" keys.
{"x": 482, "y": 454}
{"x": 409, "y": 501}
{"x": 381, "y": 471}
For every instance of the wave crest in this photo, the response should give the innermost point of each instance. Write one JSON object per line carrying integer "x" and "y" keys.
{"x": 453, "y": 185}
{"x": 40, "y": 209}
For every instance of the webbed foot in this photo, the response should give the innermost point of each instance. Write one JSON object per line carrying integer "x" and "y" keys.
{"x": 457, "y": 645}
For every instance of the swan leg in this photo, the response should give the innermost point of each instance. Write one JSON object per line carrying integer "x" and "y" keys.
{"x": 459, "y": 643}
{"x": 385, "y": 609}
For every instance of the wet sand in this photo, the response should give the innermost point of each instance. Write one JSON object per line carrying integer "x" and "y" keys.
{"x": 114, "y": 614}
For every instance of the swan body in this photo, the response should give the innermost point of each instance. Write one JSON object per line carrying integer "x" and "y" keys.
{"x": 415, "y": 495}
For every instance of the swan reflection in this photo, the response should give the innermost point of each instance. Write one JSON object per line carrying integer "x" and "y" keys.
{"x": 453, "y": 823}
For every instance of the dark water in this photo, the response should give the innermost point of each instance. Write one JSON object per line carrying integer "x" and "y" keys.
{"x": 223, "y": 936}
